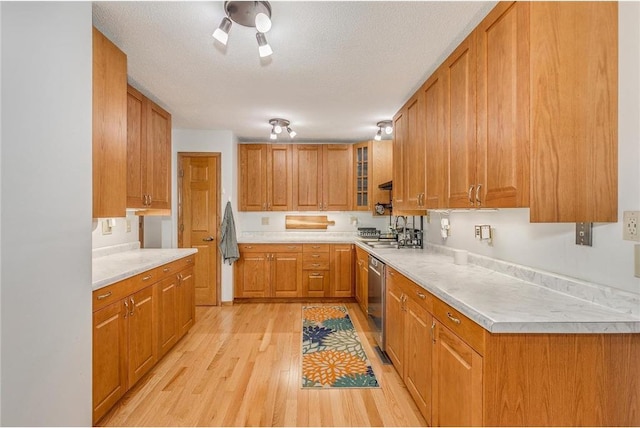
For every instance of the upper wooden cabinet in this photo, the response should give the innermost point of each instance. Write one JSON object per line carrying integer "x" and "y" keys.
{"x": 148, "y": 153}
{"x": 109, "y": 128}
{"x": 435, "y": 140}
{"x": 574, "y": 111}
{"x": 265, "y": 177}
{"x": 320, "y": 172}
{"x": 502, "y": 161}
{"x": 528, "y": 107}
{"x": 459, "y": 72}
{"x": 372, "y": 166}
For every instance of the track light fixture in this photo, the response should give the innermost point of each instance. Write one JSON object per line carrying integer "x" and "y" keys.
{"x": 254, "y": 14}
{"x": 277, "y": 125}
{"x": 384, "y": 125}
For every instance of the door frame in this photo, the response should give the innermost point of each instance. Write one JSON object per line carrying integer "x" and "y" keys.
{"x": 218, "y": 159}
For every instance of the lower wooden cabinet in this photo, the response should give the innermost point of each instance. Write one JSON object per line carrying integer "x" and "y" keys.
{"x": 409, "y": 324}
{"x": 294, "y": 271}
{"x": 341, "y": 270}
{"x": 268, "y": 271}
{"x": 135, "y": 322}
{"x": 457, "y": 381}
{"x": 459, "y": 374}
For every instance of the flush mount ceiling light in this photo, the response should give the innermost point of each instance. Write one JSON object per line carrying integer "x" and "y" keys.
{"x": 385, "y": 126}
{"x": 254, "y": 14}
{"x": 277, "y": 125}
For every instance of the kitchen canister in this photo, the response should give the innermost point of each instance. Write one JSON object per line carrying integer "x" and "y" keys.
{"x": 460, "y": 257}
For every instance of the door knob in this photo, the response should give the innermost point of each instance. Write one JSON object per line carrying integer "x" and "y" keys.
{"x": 208, "y": 239}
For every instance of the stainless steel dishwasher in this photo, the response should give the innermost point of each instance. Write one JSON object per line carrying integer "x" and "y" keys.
{"x": 376, "y": 301}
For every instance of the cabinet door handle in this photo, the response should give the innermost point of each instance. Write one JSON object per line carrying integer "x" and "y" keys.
{"x": 126, "y": 308}
{"x": 150, "y": 200}
{"x": 320, "y": 207}
{"x": 433, "y": 332}
{"x": 165, "y": 270}
{"x": 264, "y": 206}
{"x": 392, "y": 273}
{"x": 104, "y": 296}
{"x": 133, "y": 306}
{"x": 478, "y": 194}
{"x": 146, "y": 278}
{"x": 421, "y": 295}
{"x": 452, "y": 318}
{"x": 269, "y": 206}
{"x": 469, "y": 194}
{"x": 208, "y": 239}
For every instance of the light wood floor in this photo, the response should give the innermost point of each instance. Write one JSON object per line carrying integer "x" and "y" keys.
{"x": 240, "y": 366}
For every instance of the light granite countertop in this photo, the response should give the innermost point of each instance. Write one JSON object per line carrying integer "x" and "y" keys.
{"x": 504, "y": 303}
{"x": 111, "y": 267}
{"x": 296, "y": 236}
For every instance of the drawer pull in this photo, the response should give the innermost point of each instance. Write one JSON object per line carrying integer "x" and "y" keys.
{"x": 421, "y": 295}
{"x": 315, "y": 247}
{"x": 392, "y": 273}
{"x": 146, "y": 278}
{"x": 248, "y": 247}
{"x": 315, "y": 277}
{"x": 452, "y": 318}
{"x": 188, "y": 260}
{"x": 104, "y": 296}
{"x": 315, "y": 264}
{"x": 291, "y": 247}
{"x": 165, "y": 270}
{"x": 315, "y": 256}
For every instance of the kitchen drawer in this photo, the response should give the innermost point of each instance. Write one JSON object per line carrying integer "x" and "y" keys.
{"x": 270, "y": 248}
{"x": 315, "y": 257}
{"x": 105, "y": 296}
{"x": 421, "y": 296}
{"x": 316, "y": 248}
{"x": 178, "y": 265}
{"x": 463, "y": 327}
{"x": 315, "y": 265}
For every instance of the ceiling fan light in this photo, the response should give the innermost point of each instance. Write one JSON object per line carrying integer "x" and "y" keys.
{"x": 263, "y": 22}
{"x": 291, "y": 132}
{"x": 263, "y": 47}
{"x": 222, "y": 32}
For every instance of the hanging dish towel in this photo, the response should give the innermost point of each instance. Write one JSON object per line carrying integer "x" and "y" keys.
{"x": 228, "y": 241}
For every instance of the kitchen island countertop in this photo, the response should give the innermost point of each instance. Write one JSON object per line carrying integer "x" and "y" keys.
{"x": 502, "y": 303}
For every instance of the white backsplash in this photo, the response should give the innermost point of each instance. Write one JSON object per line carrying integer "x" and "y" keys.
{"x": 119, "y": 234}
{"x": 346, "y": 221}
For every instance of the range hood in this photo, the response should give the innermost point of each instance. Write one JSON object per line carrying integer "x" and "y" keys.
{"x": 386, "y": 186}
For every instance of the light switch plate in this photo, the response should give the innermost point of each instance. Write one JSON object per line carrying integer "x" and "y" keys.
{"x": 265, "y": 221}
{"x": 583, "y": 234}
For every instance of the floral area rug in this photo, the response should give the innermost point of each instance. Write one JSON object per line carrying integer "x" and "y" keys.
{"x": 332, "y": 355}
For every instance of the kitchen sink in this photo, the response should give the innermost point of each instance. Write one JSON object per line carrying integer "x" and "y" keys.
{"x": 382, "y": 244}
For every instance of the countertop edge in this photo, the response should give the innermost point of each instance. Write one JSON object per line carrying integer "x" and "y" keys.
{"x": 104, "y": 282}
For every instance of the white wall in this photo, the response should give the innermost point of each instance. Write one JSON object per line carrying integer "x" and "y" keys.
{"x": 192, "y": 140}
{"x": 119, "y": 234}
{"x": 0, "y": 217}
{"x": 552, "y": 246}
{"x": 46, "y": 214}
{"x": 346, "y": 221}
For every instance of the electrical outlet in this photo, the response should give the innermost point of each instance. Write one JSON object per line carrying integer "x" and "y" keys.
{"x": 265, "y": 221}
{"x": 630, "y": 230}
{"x": 584, "y": 234}
{"x": 478, "y": 232}
{"x": 106, "y": 227}
{"x": 128, "y": 225}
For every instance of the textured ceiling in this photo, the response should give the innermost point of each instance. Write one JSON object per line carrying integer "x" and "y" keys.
{"x": 337, "y": 67}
